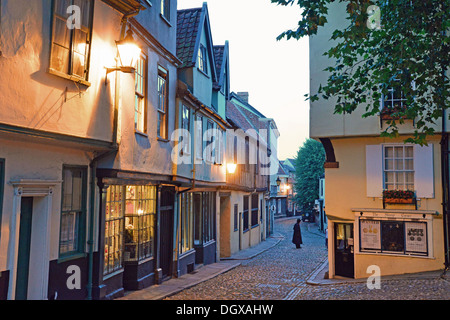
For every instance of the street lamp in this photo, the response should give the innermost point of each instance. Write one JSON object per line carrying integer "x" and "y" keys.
{"x": 128, "y": 54}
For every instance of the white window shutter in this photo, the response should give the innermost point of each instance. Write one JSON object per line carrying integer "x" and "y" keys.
{"x": 374, "y": 170}
{"x": 424, "y": 171}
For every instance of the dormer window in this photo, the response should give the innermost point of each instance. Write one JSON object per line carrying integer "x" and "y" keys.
{"x": 202, "y": 64}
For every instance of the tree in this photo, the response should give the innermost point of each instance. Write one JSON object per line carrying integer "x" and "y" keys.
{"x": 308, "y": 168}
{"x": 400, "y": 44}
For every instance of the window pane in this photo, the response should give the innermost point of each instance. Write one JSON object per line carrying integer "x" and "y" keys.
{"x": 61, "y": 7}
{"x": 61, "y": 33}
{"x": 389, "y": 164}
{"x": 389, "y": 152}
{"x": 399, "y": 152}
{"x": 392, "y": 236}
{"x": 409, "y": 152}
{"x": 60, "y": 59}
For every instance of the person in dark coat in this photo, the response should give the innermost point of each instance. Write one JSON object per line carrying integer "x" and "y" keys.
{"x": 297, "y": 238}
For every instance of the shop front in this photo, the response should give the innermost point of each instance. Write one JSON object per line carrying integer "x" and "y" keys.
{"x": 136, "y": 253}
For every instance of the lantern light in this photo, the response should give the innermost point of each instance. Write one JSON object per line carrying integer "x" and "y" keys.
{"x": 231, "y": 167}
{"x": 128, "y": 54}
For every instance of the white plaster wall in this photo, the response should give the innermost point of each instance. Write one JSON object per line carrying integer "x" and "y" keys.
{"x": 30, "y": 96}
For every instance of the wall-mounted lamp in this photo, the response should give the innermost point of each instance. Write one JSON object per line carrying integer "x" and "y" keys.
{"x": 128, "y": 55}
{"x": 278, "y": 181}
{"x": 231, "y": 167}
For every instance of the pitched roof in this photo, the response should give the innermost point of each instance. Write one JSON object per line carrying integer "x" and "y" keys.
{"x": 188, "y": 22}
{"x": 236, "y": 118}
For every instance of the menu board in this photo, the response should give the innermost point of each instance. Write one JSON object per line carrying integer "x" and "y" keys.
{"x": 416, "y": 237}
{"x": 370, "y": 234}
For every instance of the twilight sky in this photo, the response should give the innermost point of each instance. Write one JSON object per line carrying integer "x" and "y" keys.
{"x": 274, "y": 73}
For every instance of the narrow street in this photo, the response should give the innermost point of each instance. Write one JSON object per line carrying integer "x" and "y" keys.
{"x": 273, "y": 275}
{"x": 280, "y": 273}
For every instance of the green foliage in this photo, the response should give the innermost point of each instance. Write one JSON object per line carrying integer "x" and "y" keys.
{"x": 308, "y": 168}
{"x": 409, "y": 51}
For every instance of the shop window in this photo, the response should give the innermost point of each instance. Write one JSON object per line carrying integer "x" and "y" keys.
{"x": 140, "y": 210}
{"x": 187, "y": 222}
{"x": 129, "y": 225}
{"x": 254, "y": 210}
{"x": 204, "y": 217}
{"x": 114, "y": 227}
{"x": 394, "y": 237}
{"x": 245, "y": 213}
{"x": 73, "y": 211}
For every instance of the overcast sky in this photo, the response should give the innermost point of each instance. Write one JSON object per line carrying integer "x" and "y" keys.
{"x": 274, "y": 73}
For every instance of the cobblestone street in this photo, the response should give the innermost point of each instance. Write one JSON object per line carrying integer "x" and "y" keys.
{"x": 281, "y": 272}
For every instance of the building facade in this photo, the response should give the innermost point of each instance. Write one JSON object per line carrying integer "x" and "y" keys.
{"x": 113, "y": 174}
{"x": 365, "y": 226}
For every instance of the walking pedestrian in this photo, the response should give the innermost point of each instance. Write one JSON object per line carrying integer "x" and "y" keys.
{"x": 297, "y": 237}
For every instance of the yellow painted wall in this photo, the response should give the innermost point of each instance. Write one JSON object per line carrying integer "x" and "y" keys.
{"x": 346, "y": 189}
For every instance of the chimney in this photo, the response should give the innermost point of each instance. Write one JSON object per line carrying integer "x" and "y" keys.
{"x": 243, "y": 96}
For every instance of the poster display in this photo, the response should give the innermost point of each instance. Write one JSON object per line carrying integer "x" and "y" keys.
{"x": 416, "y": 237}
{"x": 370, "y": 234}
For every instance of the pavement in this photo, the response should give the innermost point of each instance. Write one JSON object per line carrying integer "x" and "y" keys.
{"x": 207, "y": 272}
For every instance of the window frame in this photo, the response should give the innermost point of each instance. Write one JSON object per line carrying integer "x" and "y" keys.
{"x": 141, "y": 96}
{"x": 165, "y": 10}
{"x": 88, "y": 30}
{"x": 396, "y": 171}
{"x": 202, "y": 61}
{"x": 382, "y": 246}
{"x": 81, "y": 214}
{"x": 186, "y": 126}
{"x": 162, "y": 93}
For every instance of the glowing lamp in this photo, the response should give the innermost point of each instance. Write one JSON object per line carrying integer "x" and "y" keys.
{"x": 231, "y": 167}
{"x": 129, "y": 53}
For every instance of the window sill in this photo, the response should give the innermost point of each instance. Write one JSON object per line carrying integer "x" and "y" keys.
{"x": 203, "y": 72}
{"x": 140, "y": 133}
{"x": 162, "y": 139}
{"x": 69, "y": 77}
{"x": 114, "y": 273}
{"x": 409, "y": 255}
{"x": 71, "y": 257}
{"x": 165, "y": 20}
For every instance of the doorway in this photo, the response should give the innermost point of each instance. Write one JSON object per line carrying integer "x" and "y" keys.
{"x": 23, "y": 260}
{"x": 166, "y": 230}
{"x": 343, "y": 250}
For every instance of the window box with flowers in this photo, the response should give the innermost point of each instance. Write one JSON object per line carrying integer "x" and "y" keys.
{"x": 399, "y": 197}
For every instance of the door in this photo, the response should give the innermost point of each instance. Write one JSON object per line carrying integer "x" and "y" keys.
{"x": 166, "y": 230}
{"x": 343, "y": 253}
{"x": 23, "y": 260}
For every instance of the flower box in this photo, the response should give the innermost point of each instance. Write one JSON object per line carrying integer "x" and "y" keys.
{"x": 399, "y": 197}
{"x": 394, "y": 200}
